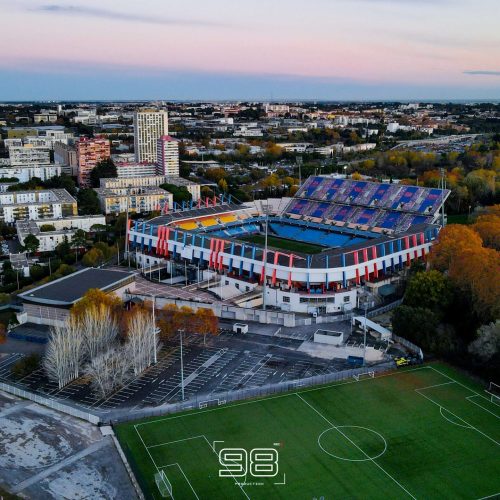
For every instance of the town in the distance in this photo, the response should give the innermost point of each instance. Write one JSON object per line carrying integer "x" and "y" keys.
{"x": 258, "y": 300}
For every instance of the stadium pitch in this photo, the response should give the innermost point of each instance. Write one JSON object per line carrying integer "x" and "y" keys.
{"x": 283, "y": 243}
{"x": 426, "y": 432}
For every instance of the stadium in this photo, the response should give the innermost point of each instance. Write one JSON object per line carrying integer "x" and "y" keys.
{"x": 334, "y": 236}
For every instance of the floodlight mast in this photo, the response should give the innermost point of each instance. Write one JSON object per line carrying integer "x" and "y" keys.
{"x": 264, "y": 268}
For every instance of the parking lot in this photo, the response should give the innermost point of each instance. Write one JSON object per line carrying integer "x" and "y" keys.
{"x": 227, "y": 362}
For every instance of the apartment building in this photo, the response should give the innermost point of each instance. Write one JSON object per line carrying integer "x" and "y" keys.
{"x": 24, "y": 173}
{"x": 135, "y": 200}
{"x": 89, "y": 152}
{"x": 65, "y": 155}
{"x": 149, "y": 126}
{"x": 64, "y": 227}
{"x": 168, "y": 156}
{"x": 29, "y": 155}
{"x": 126, "y": 170}
{"x": 34, "y": 205}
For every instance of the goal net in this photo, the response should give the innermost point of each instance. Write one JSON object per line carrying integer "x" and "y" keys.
{"x": 494, "y": 393}
{"x": 163, "y": 484}
{"x": 360, "y": 375}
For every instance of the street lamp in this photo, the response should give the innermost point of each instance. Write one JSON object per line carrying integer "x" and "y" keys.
{"x": 181, "y": 331}
{"x": 154, "y": 330}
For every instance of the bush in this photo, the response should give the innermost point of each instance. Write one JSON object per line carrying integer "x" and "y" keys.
{"x": 26, "y": 366}
{"x": 45, "y": 228}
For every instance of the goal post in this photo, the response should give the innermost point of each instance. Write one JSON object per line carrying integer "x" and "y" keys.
{"x": 494, "y": 393}
{"x": 163, "y": 484}
{"x": 358, "y": 376}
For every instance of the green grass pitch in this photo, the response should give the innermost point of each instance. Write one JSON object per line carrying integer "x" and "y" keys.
{"x": 426, "y": 432}
{"x": 283, "y": 243}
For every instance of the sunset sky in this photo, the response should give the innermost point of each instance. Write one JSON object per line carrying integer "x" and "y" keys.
{"x": 264, "y": 49}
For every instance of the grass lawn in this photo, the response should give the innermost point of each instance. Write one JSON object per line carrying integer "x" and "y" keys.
{"x": 283, "y": 243}
{"x": 426, "y": 432}
{"x": 458, "y": 219}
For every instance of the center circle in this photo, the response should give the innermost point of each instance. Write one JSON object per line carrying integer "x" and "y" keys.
{"x": 352, "y": 443}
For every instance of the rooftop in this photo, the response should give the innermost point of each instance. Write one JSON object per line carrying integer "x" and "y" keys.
{"x": 69, "y": 289}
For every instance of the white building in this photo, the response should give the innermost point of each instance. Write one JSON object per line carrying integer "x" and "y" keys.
{"x": 132, "y": 169}
{"x": 62, "y": 228}
{"x": 34, "y": 205}
{"x": 168, "y": 156}
{"x": 24, "y": 173}
{"x": 29, "y": 154}
{"x": 149, "y": 126}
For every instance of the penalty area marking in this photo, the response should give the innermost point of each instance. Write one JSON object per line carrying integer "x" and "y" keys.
{"x": 185, "y": 477}
{"x": 367, "y": 457}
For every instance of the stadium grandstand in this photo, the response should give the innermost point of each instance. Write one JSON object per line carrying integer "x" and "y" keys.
{"x": 323, "y": 244}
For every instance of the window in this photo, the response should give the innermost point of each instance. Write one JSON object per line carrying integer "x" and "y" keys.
{"x": 347, "y": 298}
{"x": 286, "y": 298}
{"x": 226, "y": 282}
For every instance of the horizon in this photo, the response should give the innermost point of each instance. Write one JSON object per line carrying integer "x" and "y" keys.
{"x": 339, "y": 51}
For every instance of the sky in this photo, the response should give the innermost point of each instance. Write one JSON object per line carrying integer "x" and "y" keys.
{"x": 261, "y": 50}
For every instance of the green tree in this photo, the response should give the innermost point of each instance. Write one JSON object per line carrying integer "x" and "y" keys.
{"x": 103, "y": 170}
{"x": 430, "y": 289}
{"x": 78, "y": 241}
{"x": 88, "y": 202}
{"x": 44, "y": 228}
{"x": 31, "y": 243}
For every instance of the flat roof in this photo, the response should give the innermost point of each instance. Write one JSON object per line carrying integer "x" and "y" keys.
{"x": 71, "y": 288}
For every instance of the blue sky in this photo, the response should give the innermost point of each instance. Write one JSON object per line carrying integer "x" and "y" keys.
{"x": 222, "y": 49}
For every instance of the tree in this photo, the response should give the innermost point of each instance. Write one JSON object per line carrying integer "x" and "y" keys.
{"x": 99, "y": 327}
{"x": 94, "y": 298}
{"x": 44, "y": 228}
{"x": 78, "y": 240}
{"x": 108, "y": 371}
{"x": 223, "y": 186}
{"x": 488, "y": 227}
{"x": 206, "y": 323}
{"x": 103, "y": 170}
{"x": 166, "y": 321}
{"x": 416, "y": 324}
{"x": 487, "y": 343}
{"x": 452, "y": 240}
{"x": 64, "y": 353}
{"x": 180, "y": 193}
{"x": 428, "y": 289}
{"x": 93, "y": 258}
{"x": 31, "y": 243}
{"x": 3, "y": 334}
{"x": 141, "y": 340}
{"x": 88, "y": 202}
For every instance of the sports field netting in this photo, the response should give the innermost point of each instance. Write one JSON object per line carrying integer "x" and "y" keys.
{"x": 426, "y": 432}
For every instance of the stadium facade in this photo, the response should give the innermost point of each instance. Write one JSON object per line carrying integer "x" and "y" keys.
{"x": 358, "y": 232}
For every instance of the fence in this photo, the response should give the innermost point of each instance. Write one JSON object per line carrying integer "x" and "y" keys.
{"x": 221, "y": 398}
{"x": 409, "y": 345}
{"x": 50, "y": 403}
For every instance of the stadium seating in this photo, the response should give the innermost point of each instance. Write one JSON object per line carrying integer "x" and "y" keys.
{"x": 208, "y": 222}
{"x": 188, "y": 225}
{"x": 363, "y": 203}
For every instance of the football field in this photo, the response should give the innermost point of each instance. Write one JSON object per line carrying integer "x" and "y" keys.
{"x": 283, "y": 243}
{"x": 425, "y": 432}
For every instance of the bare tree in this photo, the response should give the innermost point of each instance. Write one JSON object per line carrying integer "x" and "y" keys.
{"x": 65, "y": 352}
{"x": 109, "y": 370}
{"x": 141, "y": 340}
{"x": 99, "y": 329}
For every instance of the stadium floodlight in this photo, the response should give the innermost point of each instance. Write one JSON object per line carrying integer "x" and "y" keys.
{"x": 163, "y": 484}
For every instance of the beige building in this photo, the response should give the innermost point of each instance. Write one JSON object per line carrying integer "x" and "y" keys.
{"x": 149, "y": 126}
{"x": 134, "y": 199}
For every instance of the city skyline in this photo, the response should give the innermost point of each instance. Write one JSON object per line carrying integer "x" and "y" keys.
{"x": 338, "y": 50}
